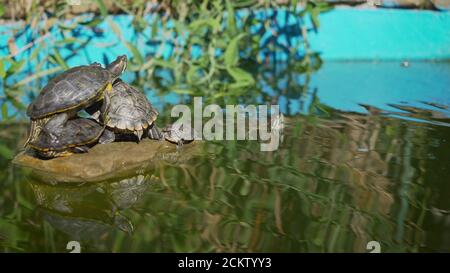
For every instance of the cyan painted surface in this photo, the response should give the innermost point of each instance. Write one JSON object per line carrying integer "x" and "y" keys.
{"x": 345, "y": 34}
{"x": 383, "y": 34}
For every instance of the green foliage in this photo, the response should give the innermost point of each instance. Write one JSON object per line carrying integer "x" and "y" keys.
{"x": 2, "y": 9}
{"x": 2, "y": 70}
{"x": 222, "y": 30}
{"x": 5, "y": 151}
{"x": 222, "y": 73}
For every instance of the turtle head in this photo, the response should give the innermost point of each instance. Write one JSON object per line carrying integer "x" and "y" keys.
{"x": 118, "y": 66}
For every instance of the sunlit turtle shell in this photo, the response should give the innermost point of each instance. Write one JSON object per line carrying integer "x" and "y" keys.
{"x": 129, "y": 110}
{"x": 75, "y": 88}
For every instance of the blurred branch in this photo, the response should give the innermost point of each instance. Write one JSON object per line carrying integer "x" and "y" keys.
{"x": 13, "y": 48}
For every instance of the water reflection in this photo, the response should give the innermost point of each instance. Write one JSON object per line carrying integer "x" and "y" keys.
{"x": 90, "y": 213}
{"x": 340, "y": 179}
{"x": 335, "y": 184}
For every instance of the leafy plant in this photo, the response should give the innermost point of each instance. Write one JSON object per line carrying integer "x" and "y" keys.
{"x": 218, "y": 47}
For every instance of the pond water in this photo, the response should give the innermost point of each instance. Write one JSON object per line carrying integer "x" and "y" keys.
{"x": 365, "y": 157}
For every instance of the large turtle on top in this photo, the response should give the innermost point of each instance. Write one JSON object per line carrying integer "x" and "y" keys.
{"x": 69, "y": 92}
{"x": 129, "y": 112}
{"x": 75, "y": 136}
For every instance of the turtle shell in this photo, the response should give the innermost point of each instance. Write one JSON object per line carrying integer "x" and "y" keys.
{"x": 129, "y": 109}
{"x": 76, "y": 132}
{"x": 75, "y": 88}
{"x": 177, "y": 135}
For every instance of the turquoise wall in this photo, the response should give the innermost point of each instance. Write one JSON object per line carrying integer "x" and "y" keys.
{"x": 345, "y": 34}
{"x": 375, "y": 35}
{"x": 383, "y": 34}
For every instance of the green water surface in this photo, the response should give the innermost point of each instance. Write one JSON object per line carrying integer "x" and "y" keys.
{"x": 339, "y": 180}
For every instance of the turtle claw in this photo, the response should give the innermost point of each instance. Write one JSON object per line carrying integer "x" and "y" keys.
{"x": 138, "y": 133}
{"x": 81, "y": 149}
{"x": 96, "y": 116}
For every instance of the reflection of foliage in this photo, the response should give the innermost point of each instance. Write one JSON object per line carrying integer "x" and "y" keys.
{"x": 215, "y": 45}
{"x": 13, "y": 201}
{"x": 316, "y": 193}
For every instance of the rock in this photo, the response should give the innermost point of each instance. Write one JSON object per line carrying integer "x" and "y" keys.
{"x": 106, "y": 161}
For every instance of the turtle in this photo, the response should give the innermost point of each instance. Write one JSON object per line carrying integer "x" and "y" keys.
{"x": 76, "y": 136}
{"x": 177, "y": 135}
{"x": 129, "y": 113}
{"x": 69, "y": 92}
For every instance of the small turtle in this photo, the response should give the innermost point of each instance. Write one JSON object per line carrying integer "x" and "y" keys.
{"x": 69, "y": 92}
{"x": 178, "y": 135}
{"x": 76, "y": 136}
{"x": 129, "y": 112}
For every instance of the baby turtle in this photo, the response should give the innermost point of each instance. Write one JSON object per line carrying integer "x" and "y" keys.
{"x": 177, "y": 135}
{"x": 69, "y": 92}
{"x": 76, "y": 136}
{"x": 129, "y": 112}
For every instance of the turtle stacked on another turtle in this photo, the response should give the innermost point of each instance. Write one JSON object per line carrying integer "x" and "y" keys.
{"x": 129, "y": 114}
{"x": 70, "y": 92}
{"x": 57, "y": 130}
{"x": 118, "y": 111}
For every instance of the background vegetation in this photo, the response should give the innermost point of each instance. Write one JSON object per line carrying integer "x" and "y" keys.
{"x": 215, "y": 46}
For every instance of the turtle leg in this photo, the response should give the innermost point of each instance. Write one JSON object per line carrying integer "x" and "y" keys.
{"x": 96, "y": 116}
{"x": 95, "y": 110}
{"x": 154, "y": 133}
{"x": 108, "y": 136}
{"x": 55, "y": 125}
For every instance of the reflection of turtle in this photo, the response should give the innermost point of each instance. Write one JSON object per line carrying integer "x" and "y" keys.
{"x": 129, "y": 112}
{"x": 69, "y": 92}
{"x": 178, "y": 135}
{"x": 75, "y": 136}
{"x": 90, "y": 211}
{"x": 83, "y": 212}
{"x": 79, "y": 228}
